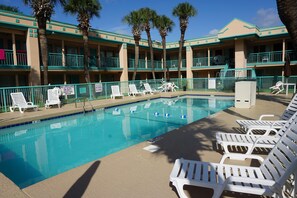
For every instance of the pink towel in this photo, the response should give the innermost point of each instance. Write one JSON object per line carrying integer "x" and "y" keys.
{"x": 2, "y": 54}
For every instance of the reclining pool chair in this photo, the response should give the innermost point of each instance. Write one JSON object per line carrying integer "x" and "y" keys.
{"x": 52, "y": 98}
{"x": 19, "y": 102}
{"x": 148, "y": 89}
{"x": 133, "y": 90}
{"x": 115, "y": 92}
{"x": 230, "y": 140}
{"x": 249, "y": 125}
{"x": 277, "y": 88}
{"x": 269, "y": 179}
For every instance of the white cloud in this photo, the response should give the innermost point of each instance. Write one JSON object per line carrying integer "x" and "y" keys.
{"x": 267, "y": 18}
{"x": 213, "y": 32}
{"x": 121, "y": 30}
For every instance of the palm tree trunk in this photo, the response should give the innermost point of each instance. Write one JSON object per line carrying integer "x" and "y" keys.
{"x": 44, "y": 53}
{"x": 165, "y": 67}
{"x": 181, "y": 43}
{"x": 287, "y": 10}
{"x": 136, "y": 59}
{"x": 86, "y": 56}
{"x": 151, "y": 53}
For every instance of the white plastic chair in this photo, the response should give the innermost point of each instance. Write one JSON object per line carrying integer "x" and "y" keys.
{"x": 148, "y": 89}
{"x": 277, "y": 88}
{"x": 133, "y": 90}
{"x": 115, "y": 92}
{"x": 19, "y": 102}
{"x": 270, "y": 179}
{"x": 231, "y": 140}
{"x": 53, "y": 98}
{"x": 251, "y": 125}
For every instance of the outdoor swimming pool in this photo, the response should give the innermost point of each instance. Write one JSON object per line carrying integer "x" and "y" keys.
{"x": 33, "y": 152}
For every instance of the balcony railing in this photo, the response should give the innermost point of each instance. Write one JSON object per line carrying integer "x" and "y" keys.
{"x": 270, "y": 57}
{"x": 8, "y": 58}
{"x": 141, "y": 63}
{"x": 75, "y": 60}
{"x": 198, "y": 62}
{"x": 55, "y": 59}
{"x": 157, "y": 64}
{"x": 214, "y": 61}
{"x": 173, "y": 64}
{"x": 265, "y": 57}
{"x": 292, "y": 54}
{"x": 107, "y": 62}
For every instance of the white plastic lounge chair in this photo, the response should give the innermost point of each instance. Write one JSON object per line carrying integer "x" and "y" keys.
{"x": 168, "y": 86}
{"x": 52, "y": 98}
{"x": 133, "y": 90}
{"x": 270, "y": 179}
{"x": 115, "y": 92}
{"x": 133, "y": 109}
{"x": 148, "y": 89}
{"x": 277, "y": 88}
{"x": 19, "y": 102}
{"x": 249, "y": 125}
{"x": 229, "y": 140}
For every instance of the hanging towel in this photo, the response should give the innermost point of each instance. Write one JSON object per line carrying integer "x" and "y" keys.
{"x": 2, "y": 54}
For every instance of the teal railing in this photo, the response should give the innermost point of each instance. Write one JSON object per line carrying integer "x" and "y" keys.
{"x": 270, "y": 57}
{"x": 55, "y": 59}
{"x": 173, "y": 64}
{"x": 8, "y": 61}
{"x": 141, "y": 63}
{"x": 200, "y": 62}
{"x": 106, "y": 62}
{"x": 97, "y": 91}
{"x": 74, "y": 60}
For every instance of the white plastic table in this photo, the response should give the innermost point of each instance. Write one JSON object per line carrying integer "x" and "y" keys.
{"x": 287, "y": 87}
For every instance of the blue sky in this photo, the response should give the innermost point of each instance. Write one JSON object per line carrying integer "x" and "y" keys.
{"x": 212, "y": 15}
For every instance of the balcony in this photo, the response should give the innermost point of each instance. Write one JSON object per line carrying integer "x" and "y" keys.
{"x": 76, "y": 61}
{"x": 157, "y": 65}
{"x": 106, "y": 63}
{"x": 215, "y": 62}
{"x": 7, "y": 61}
{"x": 269, "y": 58}
{"x": 173, "y": 64}
{"x": 141, "y": 64}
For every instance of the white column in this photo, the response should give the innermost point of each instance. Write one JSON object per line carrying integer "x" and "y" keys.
{"x": 63, "y": 54}
{"x": 15, "y": 61}
{"x": 145, "y": 59}
{"x": 189, "y": 64}
{"x": 208, "y": 56}
{"x": 284, "y": 50}
{"x": 98, "y": 57}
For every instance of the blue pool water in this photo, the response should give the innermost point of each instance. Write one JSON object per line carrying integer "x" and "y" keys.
{"x": 33, "y": 152}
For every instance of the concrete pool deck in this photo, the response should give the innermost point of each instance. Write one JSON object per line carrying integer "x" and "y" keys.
{"x": 134, "y": 172}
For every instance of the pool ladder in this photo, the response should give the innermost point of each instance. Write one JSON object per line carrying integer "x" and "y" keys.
{"x": 84, "y": 103}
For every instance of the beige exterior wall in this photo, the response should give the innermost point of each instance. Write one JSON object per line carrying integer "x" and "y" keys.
{"x": 33, "y": 57}
{"x": 240, "y": 56}
{"x": 237, "y": 27}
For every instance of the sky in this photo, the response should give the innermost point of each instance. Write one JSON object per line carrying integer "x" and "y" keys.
{"x": 212, "y": 15}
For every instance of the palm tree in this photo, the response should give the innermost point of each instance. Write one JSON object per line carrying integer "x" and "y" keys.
{"x": 164, "y": 25}
{"x": 42, "y": 11}
{"x": 287, "y": 10}
{"x": 134, "y": 19}
{"x": 183, "y": 11}
{"x": 148, "y": 17}
{"x": 85, "y": 10}
{"x": 10, "y": 8}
